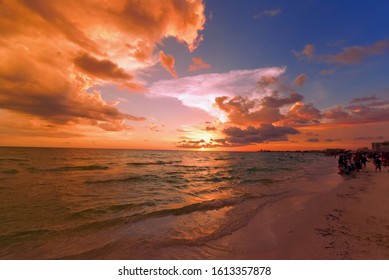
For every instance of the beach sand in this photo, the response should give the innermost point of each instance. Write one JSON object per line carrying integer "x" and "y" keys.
{"x": 351, "y": 221}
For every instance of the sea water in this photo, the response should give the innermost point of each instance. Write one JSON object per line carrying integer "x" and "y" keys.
{"x": 138, "y": 204}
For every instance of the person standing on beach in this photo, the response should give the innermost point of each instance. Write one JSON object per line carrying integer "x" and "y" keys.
{"x": 341, "y": 162}
{"x": 377, "y": 163}
{"x": 364, "y": 160}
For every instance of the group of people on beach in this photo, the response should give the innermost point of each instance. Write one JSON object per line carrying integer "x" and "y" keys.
{"x": 350, "y": 162}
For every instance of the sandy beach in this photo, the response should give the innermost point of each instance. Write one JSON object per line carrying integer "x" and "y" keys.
{"x": 350, "y": 221}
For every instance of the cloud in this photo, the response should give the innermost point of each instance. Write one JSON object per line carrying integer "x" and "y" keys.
{"x": 260, "y": 99}
{"x": 268, "y": 13}
{"x": 359, "y": 111}
{"x": 104, "y": 69}
{"x": 333, "y": 140}
{"x": 12, "y": 123}
{"x": 277, "y": 101}
{"x": 267, "y": 81}
{"x": 307, "y": 53}
{"x": 168, "y": 62}
{"x": 363, "y": 99}
{"x": 369, "y": 138}
{"x": 300, "y": 80}
{"x": 348, "y": 55}
{"x": 198, "y": 64}
{"x": 235, "y": 137}
{"x": 311, "y": 134}
{"x": 245, "y": 111}
{"x": 143, "y": 22}
{"x": 210, "y": 128}
{"x": 200, "y": 91}
{"x": 54, "y": 16}
{"x": 62, "y": 105}
{"x": 309, "y": 50}
{"x": 194, "y": 144}
{"x": 365, "y": 114}
{"x": 301, "y": 114}
{"x": 355, "y": 54}
{"x": 337, "y": 113}
{"x": 251, "y": 135}
{"x": 54, "y": 53}
{"x": 271, "y": 111}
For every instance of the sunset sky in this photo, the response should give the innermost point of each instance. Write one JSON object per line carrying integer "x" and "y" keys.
{"x": 212, "y": 74}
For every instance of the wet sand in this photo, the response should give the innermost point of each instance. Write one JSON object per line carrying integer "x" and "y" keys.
{"x": 351, "y": 221}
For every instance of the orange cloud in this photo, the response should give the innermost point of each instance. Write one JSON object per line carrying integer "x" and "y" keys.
{"x": 363, "y": 99}
{"x": 301, "y": 114}
{"x": 253, "y": 135}
{"x": 55, "y": 52}
{"x": 337, "y": 113}
{"x": 277, "y": 101}
{"x": 309, "y": 50}
{"x": 168, "y": 62}
{"x": 300, "y": 80}
{"x": 348, "y": 55}
{"x": 104, "y": 69}
{"x": 307, "y": 53}
{"x": 355, "y": 54}
{"x": 198, "y": 64}
{"x": 238, "y": 137}
{"x": 369, "y": 109}
{"x": 244, "y": 111}
{"x": 267, "y": 81}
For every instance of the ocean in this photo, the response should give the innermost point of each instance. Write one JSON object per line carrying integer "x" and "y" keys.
{"x": 140, "y": 204}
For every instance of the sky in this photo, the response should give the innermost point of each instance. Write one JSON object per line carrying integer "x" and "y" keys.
{"x": 190, "y": 74}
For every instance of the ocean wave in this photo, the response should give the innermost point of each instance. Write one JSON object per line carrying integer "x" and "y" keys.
{"x": 259, "y": 169}
{"x": 141, "y": 216}
{"x": 10, "y": 171}
{"x": 70, "y": 168}
{"x": 98, "y": 225}
{"x": 258, "y": 180}
{"x": 213, "y": 190}
{"x": 175, "y": 173}
{"x": 146, "y": 177}
{"x": 203, "y": 206}
{"x": 217, "y": 179}
{"x": 237, "y": 218}
{"x": 225, "y": 158}
{"x": 20, "y": 236}
{"x": 80, "y": 168}
{"x": 14, "y": 159}
{"x": 193, "y": 168}
{"x": 159, "y": 162}
{"x": 185, "y": 166}
{"x": 95, "y": 212}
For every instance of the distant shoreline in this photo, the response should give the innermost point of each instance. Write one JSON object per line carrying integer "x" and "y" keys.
{"x": 178, "y": 150}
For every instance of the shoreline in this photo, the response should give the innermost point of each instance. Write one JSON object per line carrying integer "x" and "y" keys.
{"x": 350, "y": 221}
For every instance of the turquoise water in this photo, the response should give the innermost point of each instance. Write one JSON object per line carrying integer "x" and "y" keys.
{"x": 132, "y": 204}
